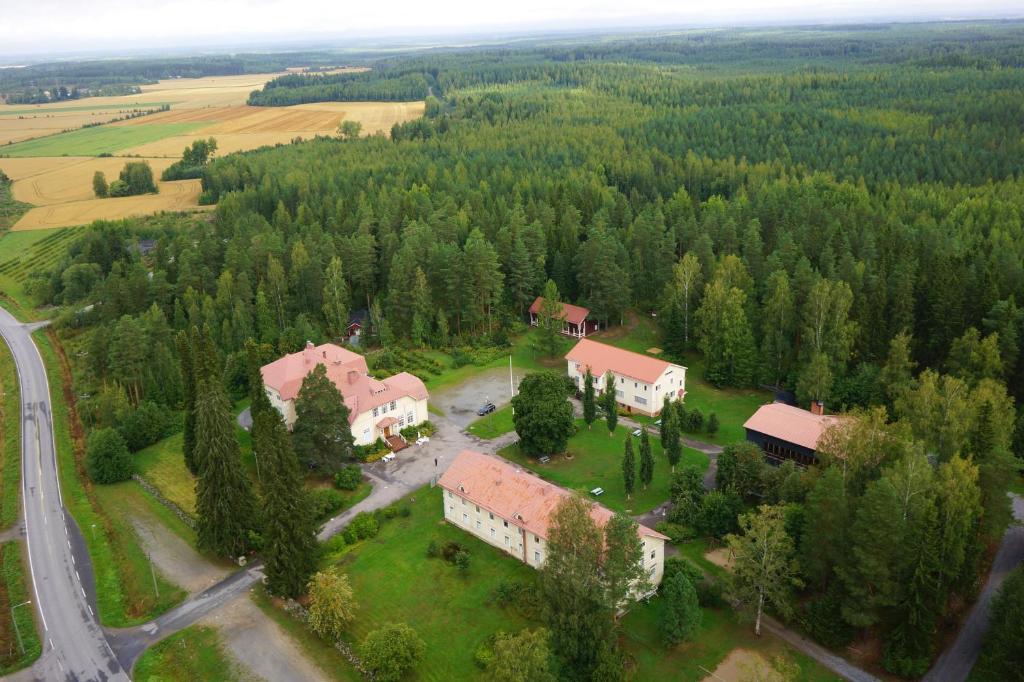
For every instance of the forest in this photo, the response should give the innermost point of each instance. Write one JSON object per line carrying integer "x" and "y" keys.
{"x": 835, "y": 213}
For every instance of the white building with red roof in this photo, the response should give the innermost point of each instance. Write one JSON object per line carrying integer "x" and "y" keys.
{"x": 510, "y": 509}
{"x": 574, "y": 319}
{"x": 378, "y": 409}
{"x": 641, "y": 382}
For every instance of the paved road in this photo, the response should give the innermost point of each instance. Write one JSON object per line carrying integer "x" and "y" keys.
{"x": 74, "y": 647}
{"x": 954, "y": 665}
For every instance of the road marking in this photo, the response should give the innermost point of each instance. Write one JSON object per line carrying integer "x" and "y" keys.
{"x": 50, "y": 640}
{"x": 90, "y": 610}
{"x": 61, "y": 665}
{"x": 82, "y": 589}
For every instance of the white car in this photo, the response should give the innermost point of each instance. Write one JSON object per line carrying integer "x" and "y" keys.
{"x": 637, "y": 433}
{"x": 388, "y": 457}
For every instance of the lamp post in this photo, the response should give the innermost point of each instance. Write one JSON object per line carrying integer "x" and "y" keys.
{"x": 17, "y": 630}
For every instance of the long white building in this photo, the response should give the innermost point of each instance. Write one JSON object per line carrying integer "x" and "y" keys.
{"x": 641, "y": 382}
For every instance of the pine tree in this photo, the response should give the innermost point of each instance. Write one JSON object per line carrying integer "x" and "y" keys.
{"x": 609, "y": 404}
{"x": 188, "y": 382}
{"x": 646, "y": 459}
{"x": 336, "y": 298}
{"x": 258, "y": 401}
{"x": 289, "y": 530}
{"x": 550, "y": 319}
{"x": 629, "y": 468}
{"x": 321, "y": 435}
{"x": 224, "y": 503}
{"x": 671, "y": 442}
{"x": 589, "y": 400}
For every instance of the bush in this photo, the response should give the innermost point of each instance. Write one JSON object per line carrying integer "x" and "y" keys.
{"x": 389, "y": 512}
{"x": 823, "y": 620}
{"x": 461, "y": 560}
{"x": 389, "y": 652}
{"x": 712, "y": 425}
{"x": 681, "y": 615}
{"x": 484, "y": 654}
{"x": 324, "y": 502}
{"x": 433, "y": 551}
{"x": 450, "y": 549}
{"x": 460, "y": 358}
{"x": 404, "y": 512}
{"x": 107, "y": 459}
{"x": 522, "y": 596}
{"x": 710, "y": 594}
{"x": 365, "y": 525}
{"x": 349, "y": 477}
{"x": 674, "y": 565}
{"x": 371, "y": 452}
{"x": 693, "y": 420}
{"x": 678, "y": 533}
{"x": 145, "y": 425}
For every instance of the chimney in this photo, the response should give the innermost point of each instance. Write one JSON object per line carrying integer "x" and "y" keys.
{"x": 353, "y": 376}
{"x": 307, "y": 353}
{"x": 817, "y": 407}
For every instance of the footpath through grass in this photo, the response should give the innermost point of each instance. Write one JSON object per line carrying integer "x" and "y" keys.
{"x": 195, "y": 653}
{"x": 594, "y": 460}
{"x": 98, "y": 140}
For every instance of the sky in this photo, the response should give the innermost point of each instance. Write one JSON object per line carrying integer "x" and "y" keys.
{"x": 35, "y": 27}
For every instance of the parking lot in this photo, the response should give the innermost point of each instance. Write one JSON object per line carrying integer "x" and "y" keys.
{"x": 460, "y": 403}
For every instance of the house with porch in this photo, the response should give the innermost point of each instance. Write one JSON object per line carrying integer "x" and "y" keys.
{"x": 640, "y": 381}
{"x": 786, "y": 432}
{"x": 575, "y": 322}
{"x": 510, "y": 508}
{"x": 378, "y": 409}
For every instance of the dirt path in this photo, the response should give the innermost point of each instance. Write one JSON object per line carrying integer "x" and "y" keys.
{"x": 175, "y": 558}
{"x": 259, "y": 644}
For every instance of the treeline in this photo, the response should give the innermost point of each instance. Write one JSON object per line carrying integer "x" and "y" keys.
{"x": 342, "y": 87}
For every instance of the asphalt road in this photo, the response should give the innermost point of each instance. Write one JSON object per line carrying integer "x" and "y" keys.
{"x": 74, "y": 647}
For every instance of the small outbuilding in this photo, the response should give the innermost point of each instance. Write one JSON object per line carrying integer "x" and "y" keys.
{"x": 786, "y": 432}
{"x": 575, "y": 319}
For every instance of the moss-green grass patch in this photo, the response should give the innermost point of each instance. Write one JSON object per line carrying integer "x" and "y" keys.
{"x": 98, "y": 140}
{"x": 195, "y": 653}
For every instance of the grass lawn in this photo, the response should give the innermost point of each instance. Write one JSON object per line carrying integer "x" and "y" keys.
{"x": 15, "y": 591}
{"x": 495, "y": 424}
{"x": 721, "y": 631}
{"x": 732, "y": 405}
{"x": 594, "y": 460}
{"x": 10, "y": 439}
{"x": 24, "y": 251}
{"x": 98, "y": 139}
{"x": 327, "y": 658}
{"x": 195, "y": 653}
{"x": 394, "y": 581}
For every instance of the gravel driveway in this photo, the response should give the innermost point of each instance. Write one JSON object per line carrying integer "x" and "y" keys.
{"x": 460, "y": 403}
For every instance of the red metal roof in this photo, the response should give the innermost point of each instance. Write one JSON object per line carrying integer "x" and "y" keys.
{"x": 791, "y": 424}
{"x": 573, "y": 314}
{"x": 601, "y": 358}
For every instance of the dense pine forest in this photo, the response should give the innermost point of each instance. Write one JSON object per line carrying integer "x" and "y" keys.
{"x": 835, "y": 212}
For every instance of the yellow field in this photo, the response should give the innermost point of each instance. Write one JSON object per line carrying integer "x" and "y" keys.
{"x": 61, "y": 187}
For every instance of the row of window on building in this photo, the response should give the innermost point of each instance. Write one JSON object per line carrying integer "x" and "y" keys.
{"x": 383, "y": 409}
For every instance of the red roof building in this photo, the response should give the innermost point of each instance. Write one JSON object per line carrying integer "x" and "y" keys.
{"x": 574, "y": 319}
{"x": 789, "y": 432}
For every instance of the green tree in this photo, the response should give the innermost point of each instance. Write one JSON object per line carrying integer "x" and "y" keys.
{"x": 825, "y": 543}
{"x": 336, "y": 298}
{"x": 523, "y": 657}
{"x": 898, "y": 372}
{"x": 681, "y": 615}
{"x": 107, "y": 459}
{"x": 289, "y": 530}
{"x": 686, "y": 491}
{"x": 646, "y": 458}
{"x": 609, "y": 405}
{"x": 764, "y": 566}
{"x": 543, "y": 414}
{"x": 391, "y": 651}
{"x": 679, "y": 297}
{"x": 589, "y": 399}
{"x": 332, "y": 604}
{"x": 629, "y": 468}
{"x": 188, "y": 380}
{"x": 671, "y": 441}
{"x": 622, "y": 567}
{"x": 138, "y": 177}
{"x": 741, "y": 467}
{"x": 322, "y": 435}
{"x": 726, "y": 339}
{"x": 550, "y": 319}
{"x": 99, "y": 184}
{"x": 1002, "y": 657}
{"x": 225, "y": 508}
{"x": 778, "y": 317}
{"x": 350, "y": 130}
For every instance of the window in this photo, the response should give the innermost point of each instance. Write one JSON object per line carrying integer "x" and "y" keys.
{"x": 491, "y": 515}
{"x": 478, "y": 524}
{"x": 465, "y": 518}
{"x": 536, "y": 539}
{"x": 401, "y": 422}
{"x": 410, "y": 418}
{"x": 652, "y": 553}
{"x": 619, "y": 393}
{"x": 449, "y": 493}
{"x": 536, "y": 557}
{"x": 492, "y": 532}
{"x": 463, "y": 501}
{"x": 658, "y": 387}
{"x": 635, "y": 384}
{"x": 506, "y": 541}
{"x": 366, "y": 434}
{"x": 451, "y": 508}
{"x": 376, "y": 411}
{"x": 506, "y": 523}
{"x": 478, "y": 509}
{"x": 640, "y": 400}
{"x": 652, "y": 570}
{"x": 392, "y": 404}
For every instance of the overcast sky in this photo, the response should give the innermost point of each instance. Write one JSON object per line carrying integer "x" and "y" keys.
{"x": 67, "y": 26}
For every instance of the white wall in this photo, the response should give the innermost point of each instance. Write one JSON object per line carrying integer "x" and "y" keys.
{"x": 634, "y": 390}
{"x": 364, "y": 428}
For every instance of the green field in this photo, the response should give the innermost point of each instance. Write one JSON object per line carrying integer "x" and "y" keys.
{"x": 98, "y": 140}
{"x": 595, "y": 460}
{"x": 126, "y": 106}
{"x": 25, "y": 251}
{"x": 195, "y": 653}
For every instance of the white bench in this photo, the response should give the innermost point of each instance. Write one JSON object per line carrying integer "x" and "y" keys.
{"x": 597, "y": 492}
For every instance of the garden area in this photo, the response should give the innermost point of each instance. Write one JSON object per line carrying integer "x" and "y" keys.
{"x": 593, "y": 459}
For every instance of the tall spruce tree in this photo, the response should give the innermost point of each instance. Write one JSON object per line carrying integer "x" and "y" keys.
{"x": 629, "y": 468}
{"x": 671, "y": 441}
{"x": 646, "y": 459}
{"x": 188, "y": 384}
{"x": 258, "y": 401}
{"x": 321, "y": 435}
{"x": 289, "y": 529}
{"x": 589, "y": 399}
{"x": 224, "y": 502}
{"x": 609, "y": 405}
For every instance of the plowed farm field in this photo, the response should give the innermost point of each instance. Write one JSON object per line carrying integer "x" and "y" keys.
{"x": 54, "y": 171}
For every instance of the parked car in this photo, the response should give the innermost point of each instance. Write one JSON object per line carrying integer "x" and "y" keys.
{"x": 388, "y": 457}
{"x": 486, "y": 409}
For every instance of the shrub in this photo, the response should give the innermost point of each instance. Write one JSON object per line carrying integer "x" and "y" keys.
{"x": 677, "y": 532}
{"x": 365, "y": 525}
{"x": 461, "y": 561}
{"x": 350, "y": 536}
{"x": 712, "y": 425}
{"x": 710, "y": 594}
{"x": 823, "y": 620}
{"x": 389, "y": 652}
{"x": 484, "y": 654}
{"x": 107, "y": 459}
{"x": 389, "y": 512}
{"x": 681, "y": 616}
{"x": 519, "y": 595}
{"x": 325, "y": 501}
{"x": 349, "y": 477}
{"x": 433, "y": 551}
{"x": 405, "y": 512}
{"x": 693, "y": 420}
{"x": 332, "y": 605}
{"x": 143, "y": 426}
{"x": 460, "y": 358}
{"x": 674, "y": 565}
{"x": 450, "y": 549}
